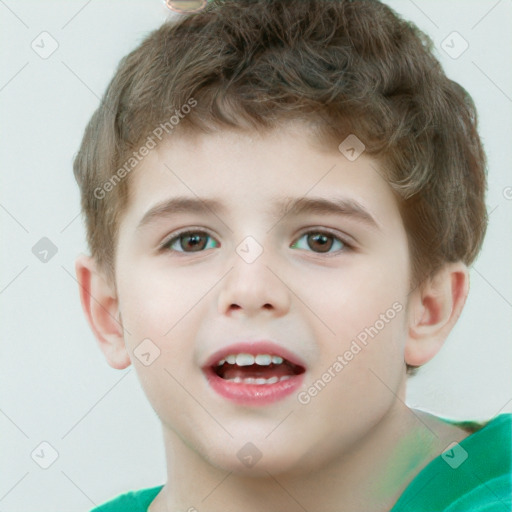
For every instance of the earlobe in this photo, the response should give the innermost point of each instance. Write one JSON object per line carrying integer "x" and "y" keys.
{"x": 434, "y": 309}
{"x": 101, "y": 308}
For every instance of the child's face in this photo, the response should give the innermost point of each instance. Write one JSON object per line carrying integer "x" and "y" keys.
{"x": 312, "y": 296}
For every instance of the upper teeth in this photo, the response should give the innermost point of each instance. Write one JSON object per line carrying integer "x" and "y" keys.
{"x": 249, "y": 359}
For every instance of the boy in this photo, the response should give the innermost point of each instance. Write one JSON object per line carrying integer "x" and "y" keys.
{"x": 282, "y": 199}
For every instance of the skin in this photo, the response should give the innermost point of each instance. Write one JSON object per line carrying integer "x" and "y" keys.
{"x": 355, "y": 443}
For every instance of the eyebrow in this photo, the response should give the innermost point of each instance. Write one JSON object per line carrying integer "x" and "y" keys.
{"x": 287, "y": 206}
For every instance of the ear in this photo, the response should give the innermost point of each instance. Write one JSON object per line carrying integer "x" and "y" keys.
{"x": 434, "y": 308}
{"x": 101, "y": 307}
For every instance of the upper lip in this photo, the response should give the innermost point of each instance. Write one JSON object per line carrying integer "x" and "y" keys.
{"x": 254, "y": 348}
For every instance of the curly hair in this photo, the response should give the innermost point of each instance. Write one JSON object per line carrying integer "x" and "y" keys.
{"x": 339, "y": 66}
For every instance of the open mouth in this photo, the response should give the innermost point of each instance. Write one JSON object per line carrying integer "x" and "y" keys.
{"x": 264, "y": 376}
{"x": 259, "y": 369}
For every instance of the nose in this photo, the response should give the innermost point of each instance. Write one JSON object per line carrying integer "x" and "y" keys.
{"x": 252, "y": 287}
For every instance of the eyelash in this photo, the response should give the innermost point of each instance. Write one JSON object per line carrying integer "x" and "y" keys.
{"x": 165, "y": 246}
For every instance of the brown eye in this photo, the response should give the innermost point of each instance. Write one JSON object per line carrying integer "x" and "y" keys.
{"x": 191, "y": 241}
{"x": 320, "y": 242}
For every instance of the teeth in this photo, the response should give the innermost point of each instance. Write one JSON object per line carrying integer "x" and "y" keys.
{"x": 263, "y": 359}
{"x": 244, "y": 359}
{"x": 259, "y": 381}
{"x": 249, "y": 359}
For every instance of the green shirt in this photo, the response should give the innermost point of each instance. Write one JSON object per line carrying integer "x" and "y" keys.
{"x": 473, "y": 476}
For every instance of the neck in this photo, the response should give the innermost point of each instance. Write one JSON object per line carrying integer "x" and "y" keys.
{"x": 370, "y": 475}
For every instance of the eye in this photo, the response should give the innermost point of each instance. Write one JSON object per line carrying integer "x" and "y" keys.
{"x": 321, "y": 241}
{"x": 197, "y": 241}
{"x": 193, "y": 240}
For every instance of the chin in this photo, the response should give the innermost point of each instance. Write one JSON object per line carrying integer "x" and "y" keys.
{"x": 256, "y": 460}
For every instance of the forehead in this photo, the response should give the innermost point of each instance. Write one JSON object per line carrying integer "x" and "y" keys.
{"x": 256, "y": 172}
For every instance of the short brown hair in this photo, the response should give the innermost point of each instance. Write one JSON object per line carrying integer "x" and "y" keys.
{"x": 342, "y": 67}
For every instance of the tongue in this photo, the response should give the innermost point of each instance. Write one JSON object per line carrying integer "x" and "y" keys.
{"x": 231, "y": 371}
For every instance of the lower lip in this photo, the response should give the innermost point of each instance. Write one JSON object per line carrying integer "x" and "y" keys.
{"x": 253, "y": 394}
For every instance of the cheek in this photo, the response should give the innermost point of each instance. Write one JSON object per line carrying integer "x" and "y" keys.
{"x": 159, "y": 329}
{"x": 154, "y": 304}
{"x": 161, "y": 306}
{"x": 365, "y": 308}
{"x": 355, "y": 385}
{"x": 359, "y": 297}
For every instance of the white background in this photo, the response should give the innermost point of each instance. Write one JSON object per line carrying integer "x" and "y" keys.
{"x": 55, "y": 384}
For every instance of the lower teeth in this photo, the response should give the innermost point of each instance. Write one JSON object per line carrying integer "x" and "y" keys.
{"x": 260, "y": 380}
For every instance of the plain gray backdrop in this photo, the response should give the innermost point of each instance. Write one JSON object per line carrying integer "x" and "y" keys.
{"x": 56, "y": 387}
